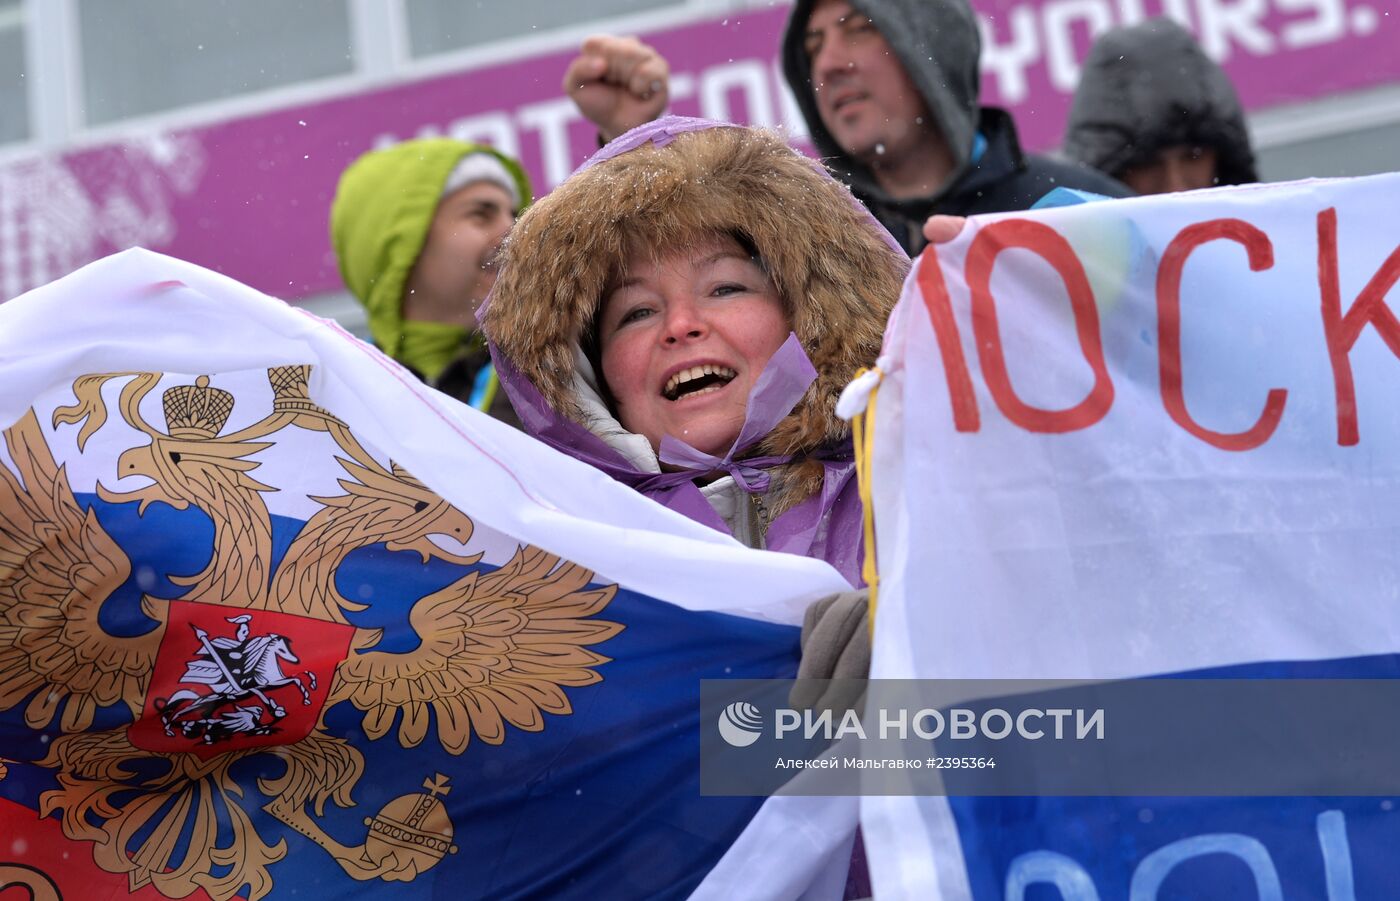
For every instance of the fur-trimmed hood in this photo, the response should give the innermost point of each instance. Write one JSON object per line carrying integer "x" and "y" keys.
{"x": 666, "y": 184}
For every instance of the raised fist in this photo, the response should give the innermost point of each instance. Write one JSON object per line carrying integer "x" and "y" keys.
{"x": 617, "y": 83}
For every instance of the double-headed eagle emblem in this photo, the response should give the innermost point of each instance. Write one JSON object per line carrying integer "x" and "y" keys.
{"x": 250, "y": 659}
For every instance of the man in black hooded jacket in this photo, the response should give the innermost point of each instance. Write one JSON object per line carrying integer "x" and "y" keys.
{"x": 889, "y": 89}
{"x": 1154, "y": 111}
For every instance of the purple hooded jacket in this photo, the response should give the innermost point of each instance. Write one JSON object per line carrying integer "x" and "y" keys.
{"x": 826, "y": 524}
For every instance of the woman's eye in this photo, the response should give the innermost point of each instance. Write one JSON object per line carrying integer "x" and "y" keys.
{"x": 728, "y": 289}
{"x": 634, "y": 315}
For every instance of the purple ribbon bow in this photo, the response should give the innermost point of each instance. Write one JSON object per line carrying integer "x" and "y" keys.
{"x": 784, "y": 380}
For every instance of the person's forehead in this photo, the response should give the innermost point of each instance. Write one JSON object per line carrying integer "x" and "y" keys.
{"x": 1188, "y": 151}
{"x": 705, "y": 248}
{"x": 828, "y": 12}
{"x": 483, "y": 191}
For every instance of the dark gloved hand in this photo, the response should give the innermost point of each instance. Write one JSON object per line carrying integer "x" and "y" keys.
{"x": 835, "y": 646}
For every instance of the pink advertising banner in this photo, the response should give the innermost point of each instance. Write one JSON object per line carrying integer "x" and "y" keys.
{"x": 249, "y": 196}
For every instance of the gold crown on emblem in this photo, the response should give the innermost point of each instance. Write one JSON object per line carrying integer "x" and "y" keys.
{"x": 196, "y": 411}
{"x": 291, "y": 392}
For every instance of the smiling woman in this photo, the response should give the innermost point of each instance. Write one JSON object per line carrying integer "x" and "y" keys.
{"x": 683, "y": 339}
{"x": 683, "y": 312}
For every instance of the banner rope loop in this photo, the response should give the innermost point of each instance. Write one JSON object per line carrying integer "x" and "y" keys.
{"x": 863, "y": 437}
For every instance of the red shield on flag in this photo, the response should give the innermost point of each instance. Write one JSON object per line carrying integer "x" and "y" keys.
{"x": 228, "y": 678}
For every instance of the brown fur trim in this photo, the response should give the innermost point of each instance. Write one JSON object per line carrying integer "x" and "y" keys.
{"x": 793, "y": 484}
{"x": 826, "y": 257}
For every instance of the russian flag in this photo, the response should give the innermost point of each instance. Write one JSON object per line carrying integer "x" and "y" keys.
{"x": 277, "y": 620}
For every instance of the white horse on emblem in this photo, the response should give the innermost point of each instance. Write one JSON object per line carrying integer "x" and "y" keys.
{"x": 233, "y": 669}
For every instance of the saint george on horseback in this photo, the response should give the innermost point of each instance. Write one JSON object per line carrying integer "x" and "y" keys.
{"x": 232, "y": 669}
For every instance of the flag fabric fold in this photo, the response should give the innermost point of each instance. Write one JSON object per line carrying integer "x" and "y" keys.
{"x": 276, "y": 619}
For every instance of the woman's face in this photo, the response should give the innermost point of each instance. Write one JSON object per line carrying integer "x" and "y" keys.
{"x": 684, "y": 338}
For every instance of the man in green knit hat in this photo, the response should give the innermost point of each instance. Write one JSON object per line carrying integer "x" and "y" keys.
{"x": 417, "y": 228}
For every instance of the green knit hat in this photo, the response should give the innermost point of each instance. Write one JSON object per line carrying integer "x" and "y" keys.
{"x": 383, "y": 207}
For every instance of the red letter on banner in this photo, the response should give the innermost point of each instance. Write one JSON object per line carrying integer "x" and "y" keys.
{"x": 945, "y": 329}
{"x": 1054, "y": 249}
{"x": 1342, "y": 331}
{"x": 1261, "y": 256}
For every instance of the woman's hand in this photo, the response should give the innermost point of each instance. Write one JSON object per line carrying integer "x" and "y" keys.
{"x": 942, "y": 229}
{"x": 835, "y": 646}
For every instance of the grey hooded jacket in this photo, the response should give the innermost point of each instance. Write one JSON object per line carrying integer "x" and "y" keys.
{"x": 1150, "y": 86}
{"x": 938, "y": 43}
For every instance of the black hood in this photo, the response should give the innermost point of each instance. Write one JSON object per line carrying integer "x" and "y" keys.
{"x": 937, "y": 42}
{"x": 1150, "y": 86}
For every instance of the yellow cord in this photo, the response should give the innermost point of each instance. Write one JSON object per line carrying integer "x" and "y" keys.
{"x": 489, "y": 395}
{"x": 863, "y": 437}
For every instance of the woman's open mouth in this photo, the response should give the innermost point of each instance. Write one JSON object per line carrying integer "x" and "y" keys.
{"x": 706, "y": 378}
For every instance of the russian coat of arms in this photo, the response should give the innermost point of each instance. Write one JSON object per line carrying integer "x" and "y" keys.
{"x": 250, "y": 658}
